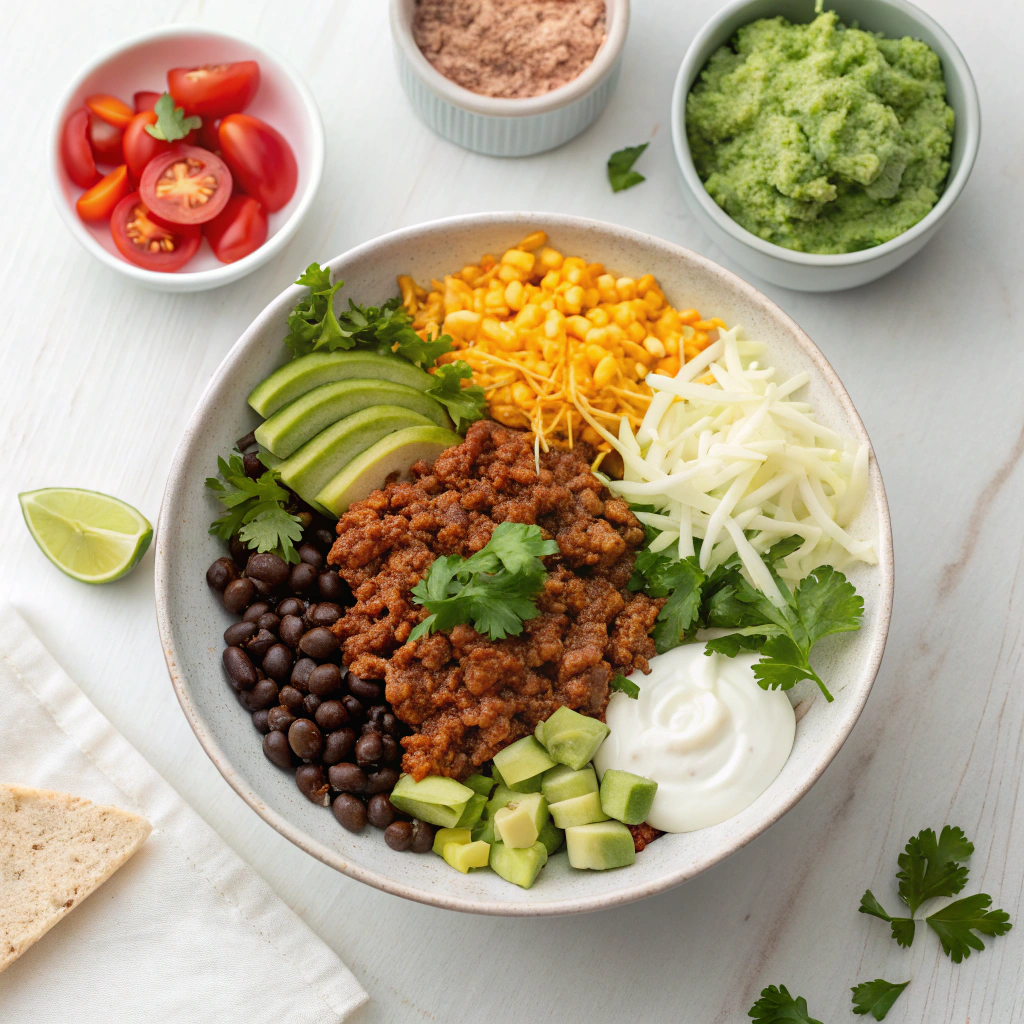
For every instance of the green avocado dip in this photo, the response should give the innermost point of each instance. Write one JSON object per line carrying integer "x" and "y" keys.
{"x": 819, "y": 137}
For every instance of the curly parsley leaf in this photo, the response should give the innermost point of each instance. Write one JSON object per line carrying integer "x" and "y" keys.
{"x": 464, "y": 404}
{"x": 902, "y": 927}
{"x": 777, "y": 1006}
{"x": 876, "y": 997}
{"x": 620, "y": 168}
{"x": 620, "y": 684}
{"x": 930, "y": 866}
{"x": 956, "y": 924}
{"x": 171, "y": 122}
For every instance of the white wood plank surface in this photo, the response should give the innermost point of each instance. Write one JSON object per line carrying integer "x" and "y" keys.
{"x": 99, "y": 378}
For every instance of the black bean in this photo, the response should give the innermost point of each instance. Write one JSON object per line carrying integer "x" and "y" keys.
{"x": 326, "y": 613}
{"x": 422, "y": 837}
{"x": 347, "y": 777}
{"x": 323, "y": 537}
{"x": 369, "y": 748}
{"x": 350, "y": 812}
{"x": 337, "y": 746}
{"x": 366, "y": 690}
{"x": 324, "y": 680}
{"x": 311, "y": 702}
{"x": 240, "y": 668}
{"x": 356, "y": 711}
{"x": 280, "y": 718}
{"x": 263, "y": 588}
{"x": 331, "y": 715}
{"x": 301, "y": 672}
{"x": 291, "y": 698}
{"x": 379, "y": 811}
{"x": 312, "y": 783}
{"x": 238, "y": 632}
{"x": 398, "y": 835}
{"x": 221, "y": 573}
{"x": 331, "y": 586}
{"x": 302, "y": 578}
{"x": 306, "y": 739}
{"x": 291, "y": 630}
{"x": 376, "y": 713}
{"x": 277, "y": 662}
{"x": 291, "y": 606}
{"x": 269, "y": 621}
{"x": 275, "y": 746}
{"x": 389, "y": 724}
{"x": 262, "y": 696}
{"x": 382, "y": 781}
{"x": 319, "y": 643}
{"x": 254, "y": 469}
{"x": 311, "y": 555}
{"x": 306, "y": 518}
{"x": 259, "y": 719}
{"x": 239, "y": 552}
{"x": 261, "y": 643}
{"x": 237, "y": 594}
{"x": 255, "y": 612}
{"x": 389, "y": 752}
{"x": 267, "y": 566}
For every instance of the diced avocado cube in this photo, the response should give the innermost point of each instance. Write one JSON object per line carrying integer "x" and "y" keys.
{"x": 463, "y": 856}
{"x": 518, "y": 824}
{"x": 538, "y": 733}
{"x": 473, "y": 812}
{"x": 530, "y": 785}
{"x": 436, "y": 799}
{"x": 551, "y": 836}
{"x": 496, "y": 775}
{"x": 518, "y": 866}
{"x": 523, "y": 760}
{"x": 484, "y": 829}
{"x": 626, "y": 796}
{"x": 600, "y": 845}
{"x": 500, "y": 798}
{"x": 480, "y": 784}
{"x": 443, "y": 836}
{"x": 572, "y": 738}
{"x": 579, "y": 810}
{"x": 563, "y": 783}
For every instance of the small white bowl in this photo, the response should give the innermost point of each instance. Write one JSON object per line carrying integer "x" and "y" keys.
{"x": 814, "y": 272}
{"x": 502, "y": 127}
{"x": 142, "y": 62}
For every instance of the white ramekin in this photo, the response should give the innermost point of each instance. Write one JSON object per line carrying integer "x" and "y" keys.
{"x": 815, "y": 272}
{"x": 500, "y": 127}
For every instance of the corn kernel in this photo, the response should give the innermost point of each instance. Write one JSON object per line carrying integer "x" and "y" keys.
{"x": 572, "y": 274}
{"x": 644, "y": 284}
{"x": 577, "y": 326}
{"x": 543, "y": 368}
{"x": 641, "y": 371}
{"x": 529, "y": 316}
{"x": 515, "y": 296}
{"x": 605, "y": 371}
{"x": 590, "y": 435}
{"x": 522, "y": 394}
{"x": 507, "y": 273}
{"x": 598, "y": 316}
{"x": 461, "y": 322}
{"x": 523, "y": 261}
{"x": 626, "y": 287}
{"x": 671, "y": 344}
{"x": 622, "y": 314}
{"x": 573, "y": 299}
{"x": 551, "y": 259}
{"x": 595, "y": 353}
{"x": 688, "y": 316}
{"x": 654, "y": 300}
{"x": 654, "y": 346}
{"x": 534, "y": 240}
{"x": 636, "y": 332}
{"x": 669, "y": 366}
{"x": 550, "y": 281}
{"x": 591, "y": 297}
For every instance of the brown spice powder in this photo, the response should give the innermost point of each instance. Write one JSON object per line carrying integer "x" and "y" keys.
{"x": 510, "y": 49}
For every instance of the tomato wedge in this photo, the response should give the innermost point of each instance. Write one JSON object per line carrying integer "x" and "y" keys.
{"x": 105, "y": 140}
{"x": 260, "y": 159}
{"x": 187, "y": 185}
{"x": 145, "y": 100}
{"x": 147, "y": 244}
{"x": 99, "y": 202}
{"x": 76, "y": 152}
{"x": 214, "y": 90}
{"x": 110, "y": 109}
{"x": 239, "y": 229}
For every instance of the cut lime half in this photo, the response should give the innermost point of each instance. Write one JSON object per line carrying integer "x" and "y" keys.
{"x": 91, "y": 536}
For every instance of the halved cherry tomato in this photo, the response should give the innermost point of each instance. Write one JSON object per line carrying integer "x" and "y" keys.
{"x": 187, "y": 185}
{"x": 76, "y": 152}
{"x": 105, "y": 140}
{"x": 239, "y": 229}
{"x": 145, "y": 101}
{"x": 147, "y": 244}
{"x": 260, "y": 159}
{"x": 110, "y": 109}
{"x": 214, "y": 90}
{"x": 99, "y": 202}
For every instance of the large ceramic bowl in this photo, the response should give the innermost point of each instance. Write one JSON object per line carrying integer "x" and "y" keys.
{"x": 191, "y": 620}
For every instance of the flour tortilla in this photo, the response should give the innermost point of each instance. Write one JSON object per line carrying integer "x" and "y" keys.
{"x": 55, "y": 849}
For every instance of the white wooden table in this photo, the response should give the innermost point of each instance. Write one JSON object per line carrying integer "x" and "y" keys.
{"x": 99, "y": 378}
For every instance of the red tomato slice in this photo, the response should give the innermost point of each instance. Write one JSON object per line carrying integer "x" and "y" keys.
{"x": 145, "y": 101}
{"x": 76, "y": 152}
{"x": 187, "y": 185}
{"x": 110, "y": 109}
{"x": 147, "y": 244}
{"x": 239, "y": 229}
{"x": 105, "y": 140}
{"x": 99, "y": 202}
{"x": 260, "y": 159}
{"x": 214, "y": 90}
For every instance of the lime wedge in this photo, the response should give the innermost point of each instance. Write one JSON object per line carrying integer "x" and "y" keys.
{"x": 90, "y": 536}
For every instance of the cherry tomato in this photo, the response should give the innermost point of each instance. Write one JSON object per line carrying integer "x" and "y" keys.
{"x": 207, "y": 136}
{"x": 139, "y": 146}
{"x": 145, "y": 101}
{"x": 260, "y": 159}
{"x": 239, "y": 229}
{"x": 76, "y": 152}
{"x": 147, "y": 244}
{"x": 105, "y": 140}
{"x": 214, "y": 90}
{"x": 186, "y": 185}
{"x": 99, "y": 202}
{"x": 110, "y": 109}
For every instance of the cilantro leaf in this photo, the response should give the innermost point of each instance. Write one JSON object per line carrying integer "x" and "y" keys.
{"x": 620, "y": 173}
{"x": 902, "y": 927}
{"x": 827, "y": 603}
{"x": 621, "y": 684}
{"x": 517, "y": 546}
{"x": 956, "y": 924}
{"x": 464, "y": 405}
{"x": 171, "y": 122}
{"x": 876, "y": 997}
{"x": 930, "y": 867}
{"x": 312, "y": 323}
{"x": 750, "y": 639}
{"x": 777, "y": 1006}
{"x": 272, "y": 529}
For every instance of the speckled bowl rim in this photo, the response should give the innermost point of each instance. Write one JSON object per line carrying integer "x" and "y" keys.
{"x": 859, "y": 687}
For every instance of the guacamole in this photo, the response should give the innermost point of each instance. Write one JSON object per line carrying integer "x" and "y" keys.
{"x": 819, "y": 137}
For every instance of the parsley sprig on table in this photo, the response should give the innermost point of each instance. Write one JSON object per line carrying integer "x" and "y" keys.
{"x": 171, "y": 122}
{"x": 620, "y": 168}
{"x": 777, "y": 1006}
{"x": 493, "y": 589}
{"x": 876, "y": 997}
{"x": 256, "y": 510}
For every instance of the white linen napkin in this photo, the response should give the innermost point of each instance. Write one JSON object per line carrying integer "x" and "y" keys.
{"x": 185, "y": 931}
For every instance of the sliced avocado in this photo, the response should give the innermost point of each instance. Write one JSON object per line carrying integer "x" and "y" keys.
{"x": 473, "y": 812}
{"x": 449, "y": 835}
{"x": 293, "y": 379}
{"x": 626, "y": 796}
{"x": 480, "y": 783}
{"x": 463, "y": 856}
{"x": 320, "y": 460}
{"x": 551, "y": 836}
{"x": 368, "y": 472}
{"x": 578, "y": 810}
{"x": 518, "y": 824}
{"x": 538, "y": 733}
{"x": 436, "y": 799}
{"x": 299, "y": 421}
{"x": 563, "y": 783}
{"x": 572, "y": 738}
{"x": 599, "y": 846}
{"x": 518, "y": 866}
{"x": 522, "y": 760}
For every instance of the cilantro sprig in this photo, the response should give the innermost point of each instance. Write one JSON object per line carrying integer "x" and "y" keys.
{"x": 876, "y": 997}
{"x": 620, "y": 168}
{"x": 777, "y": 1006}
{"x": 171, "y": 122}
{"x": 464, "y": 404}
{"x": 620, "y": 684}
{"x": 256, "y": 510}
{"x": 493, "y": 589}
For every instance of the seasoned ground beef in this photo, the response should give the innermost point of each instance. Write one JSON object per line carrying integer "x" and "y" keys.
{"x": 465, "y": 696}
{"x": 643, "y": 835}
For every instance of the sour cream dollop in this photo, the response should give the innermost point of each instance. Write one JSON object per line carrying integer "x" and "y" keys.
{"x": 705, "y": 731}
